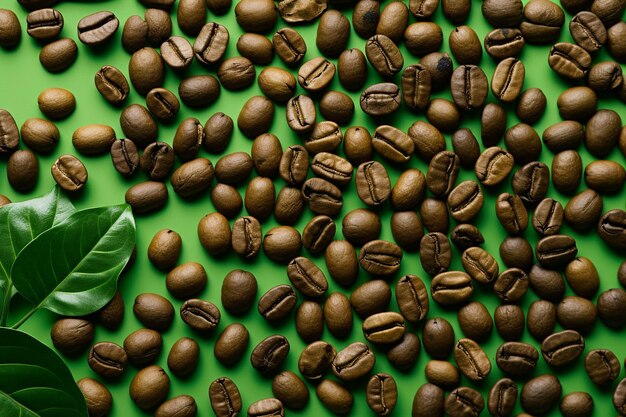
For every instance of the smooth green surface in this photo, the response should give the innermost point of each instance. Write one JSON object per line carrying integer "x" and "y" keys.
{"x": 21, "y": 80}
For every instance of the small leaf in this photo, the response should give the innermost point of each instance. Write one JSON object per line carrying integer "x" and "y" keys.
{"x": 34, "y": 381}
{"x": 21, "y": 222}
{"x": 72, "y": 269}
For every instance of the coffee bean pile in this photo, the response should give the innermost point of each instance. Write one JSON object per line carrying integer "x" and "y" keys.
{"x": 334, "y": 155}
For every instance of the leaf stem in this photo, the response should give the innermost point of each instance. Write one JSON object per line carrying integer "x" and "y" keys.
{"x": 4, "y": 314}
{"x": 26, "y": 317}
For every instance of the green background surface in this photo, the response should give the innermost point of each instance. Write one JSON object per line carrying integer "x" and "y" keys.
{"x": 22, "y": 78}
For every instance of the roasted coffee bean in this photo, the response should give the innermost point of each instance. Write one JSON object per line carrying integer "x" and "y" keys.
{"x": 516, "y": 252}
{"x": 576, "y": 103}
{"x": 282, "y": 244}
{"x": 142, "y": 79}
{"x": 232, "y": 343}
{"x": 200, "y": 315}
{"x": 493, "y": 124}
{"x": 405, "y": 353}
{"x": 443, "y": 374}
{"x": 609, "y": 11}
{"x": 234, "y": 168}
{"x": 12, "y": 30}
{"x": 316, "y": 74}
{"x": 548, "y": 217}
{"x": 606, "y": 177}
{"x": 159, "y": 26}
{"x": 276, "y": 83}
{"x": 569, "y": 61}
{"x": 523, "y": 142}
{"x": 451, "y": 288}
{"x": 619, "y": 397}
{"x": 384, "y": 328}
{"x": 442, "y": 173}
{"x": 612, "y": 228}
{"x": 428, "y": 140}
{"x": 511, "y": 213}
{"x": 149, "y": 387}
{"x": 480, "y": 265}
{"x": 502, "y": 398}
{"x": 290, "y": 390}
{"x": 191, "y": 16}
{"x": 260, "y": 198}
{"x": 289, "y": 205}
{"x": 602, "y": 366}
{"x": 146, "y": 196}
{"x": 182, "y": 405}
{"x": 440, "y": 67}
{"x": 266, "y": 154}
{"x": 256, "y": 16}
{"x": 309, "y": 321}
{"x": 318, "y": 233}
{"x": 352, "y": 69}
{"x": 464, "y": 401}
{"x": 316, "y": 359}
{"x": 239, "y": 290}
{"x": 58, "y": 55}
{"x": 456, "y": 11}
{"x": 289, "y": 45}
{"x": 562, "y": 348}
{"x": 422, "y": 38}
{"x": 188, "y": 139}
{"x": 380, "y": 99}
{"x": 294, "y": 165}
{"x": 353, "y": 362}
{"x": 588, "y": 31}
{"x": 540, "y": 394}
{"x": 301, "y": 114}
{"x": 107, "y": 359}
{"x": 365, "y": 18}
{"x": 269, "y": 354}
{"x": 412, "y": 298}
{"x": 408, "y": 191}
{"x": 23, "y": 170}
{"x": 139, "y": 126}
{"x": 435, "y": 253}
{"x": 257, "y": 48}
{"x": 500, "y": 13}
{"x": 337, "y": 107}
{"x": 338, "y": 315}
{"x": 493, "y": 166}
{"x": 97, "y": 396}
{"x": 542, "y": 22}
{"x": 541, "y": 319}
{"x": 583, "y": 210}
{"x": 576, "y": 404}
{"x": 370, "y": 298}
{"x": 193, "y": 178}
{"x": 615, "y": 47}
{"x": 157, "y": 161}
{"x": 97, "y": 28}
{"x": 516, "y": 358}
{"x": 373, "y": 184}
{"x": 605, "y": 76}
{"x": 154, "y": 311}
{"x": 200, "y": 91}
{"x": 509, "y": 320}
{"x": 508, "y": 79}
{"x": 325, "y": 137}
{"x": 469, "y": 87}
{"x": 341, "y": 262}
{"x": 186, "y": 280}
{"x": 393, "y": 21}
{"x": 322, "y": 196}
{"x": 379, "y": 257}
{"x": 335, "y": 397}
{"x": 556, "y": 251}
{"x": 465, "y": 45}
{"x": 566, "y": 171}
{"x": 416, "y": 87}
{"x": 333, "y": 31}
{"x": 112, "y": 85}
{"x": 434, "y": 214}
{"x": 577, "y": 313}
{"x": 225, "y": 397}
{"x": 357, "y": 145}
{"x": 547, "y": 283}
{"x": 406, "y": 228}
{"x": 307, "y": 277}
{"x": 9, "y": 134}
{"x": 211, "y": 43}
{"x": 504, "y": 43}
{"x": 125, "y": 157}
{"x": 531, "y": 106}
{"x": 611, "y": 308}
{"x": 381, "y": 394}
{"x": 112, "y": 314}
{"x": 135, "y": 31}
{"x": 361, "y": 226}
{"x": 438, "y": 336}
{"x": 256, "y": 116}
{"x": 531, "y": 183}
{"x": 177, "y": 53}
{"x": 56, "y": 103}
{"x": 143, "y": 346}
{"x": 428, "y": 401}
{"x": 69, "y": 173}
{"x": 471, "y": 360}
{"x": 393, "y": 144}
{"x": 332, "y": 168}
{"x": 38, "y": 134}
{"x": 423, "y": 9}
{"x": 72, "y": 336}
{"x": 465, "y": 236}
{"x": 466, "y": 147}
{"x": 384, "y": 55}
{"x": 475, "y": 321}
{"x": 602, "y": 132}
{"x": 159, "y": 4}
{"x": 465, "y": 201}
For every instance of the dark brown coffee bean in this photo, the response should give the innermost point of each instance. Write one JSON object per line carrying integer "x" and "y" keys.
{"x": 294, "y": 165}
{"x": 9, "y": 134}
{"x": 97, "y": 396}
{"x": 583, "y": 210}
{"x": 282, "y": 244}
{"x": 405, "y": 353}
{"x": 307, "y": 277}
{"x": 428, "y": 140}
{"x": 501, "y": 13}
{"x": 540, "y": 394}
{"x": 276, "y": 83}
{"x": 542, "y": 22}
{"x": 177, "y": 53}
{"x": 469, "y": 87}
{"x": 239, "y": 290}
{"x": 143, "y": 80}
{"x": 619, "y": 402}
{"x": 200, "y": 315}
{"x": 335, "y": 397}
{"x": 232, "y": 343}
{"x": 246, "y": 237}
{"x": 531, "y": 183}
{"x": 605, "y": 76}
{"x": 466, "y": 235}
{"x": 225, "y": 397}
{"x": 493, "y": 166}
{"x": 353, "y": 362}
{"x": 370, "y": 298}
{"x": 373, "y": 184}
{"x": 502, "y": 398}
{"x": 602, "y": 132}
{"x": 333, "y": 31}
{"x": 380, "y": 99}
{"x": 612, "y": 228}
{"x": 556, "y": 251}
{"x": 125, "y": 157}
{"x": 352, "y": 69}
{"x": 256, "y": 116}
{"x": 516, "y": 358}
{"x": 406, "y": 228}
{"x": 11, "y": 28}
{"x": 257, "y": 48}
{"x": 325, "y": 137}
{"x": 562, "y": 348}
{"x": 260, "y": 198}
{"x": 442, "y": 173}
{"x": 381, "y": 394}
{"x": 547, "y": 283}
{"x": 58, "y": 55}
{"x": 23, "y": 170}
{"x": 566, "y": 171}
{"x": 365, "y": 18}
{"x": 138, "y": 125}
{"x": 523, "y": 142}
{"x": 504, "y": 43}
{"x": 443, "y": 374}
{"x": 322, "y": 196}
{"x": 606, "y": 177}
{"x": 588, "y": 31}
{"x": 234, "y": 168}
{"x": 511, "y": 213}
{"x": 211, "y": 43}
{"x": 493, "y": 124}
{"x": 422, "y": 38}
{"x": 157, "y": 161}
{"x": 186, "y": 280}
{"x": 290, "y": 390}
{"x": 576, "y": 404}
{"x": 428, "y": 401}
{"x": 193, "y": 178}
{"x": 318, "y": 234}
{"x": 440, "y": 67}
{"x": 464, "y": 401}
{"x": 508, "y": 79}
{"x": 200, "y": 91}
{"x": 516, "y": 252}
{"x": 191, "y": 16}
{"x": 577, "y": 313}
{"x": 338, "y": 315}
{"x": 541, "y": 319}
{"x": 465, "y": 45}
{"x": 266, "y": 154}
{"x": 408, "y": 191}
{"x": 509, "y": 320}
{"x": 451, "y": 288}
{"x": 511, "y": 285}
{"x": 182, "y": 405}
{"x": 289, "y": 45}
{"x": 112, "y": 314}
{"x": 475, "y": 321}
{"x": 416, "y": 87}
{"x": 146, "y": 196}
{"x": 107, "y": 359}
{"x": 412, "y": 298}
{"x": 465, "y": 201}
{"x": 384, "y": 328}
{"x": 480, "y": 265}
{"x": 393, "y": 144}
{"x": 56, "y": 103}
{"x": 456, "y": 11}
{"x": 135, "y": 31}
{"x": 97, "y": 28}
{"x": 316, "y": 74}
{"x": 43, "y": 24}
{"x": 361, "y": 226}
{"x": 143, "y": 346}
{"x": 379, "y": 257}
{"x": 548, "y": 217}
{"x": 531, "y": 106}
{"x": 289, "y": 205}
{"x": 609, "y": 11}
{"x": 611, "y": 308}
{"x": 69, "y": 173}
{"x": 341, "y": 262}
{"x": 435, "y": 253}
{"x": 393, "y": 21}
{"x": 569, "y": 61}
{"x": 38, "y": 134}
{"x": 602, "y": 366}
{"x": 72, "y": 336}
{"x": 162, "y": 103}
{"x": 466, "y": 147}
{"x": 615, "y": 46}
{"x": 316, "y": 359}
{"x": 301, "y": 114}
{"x": 332, "y": 168}
{"x": 337, "y": 107}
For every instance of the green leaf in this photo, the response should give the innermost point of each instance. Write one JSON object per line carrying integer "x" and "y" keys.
{"x": 20, "y": 223}
{"x": 34, "y": 380}
{"x": 72, "y": 269}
